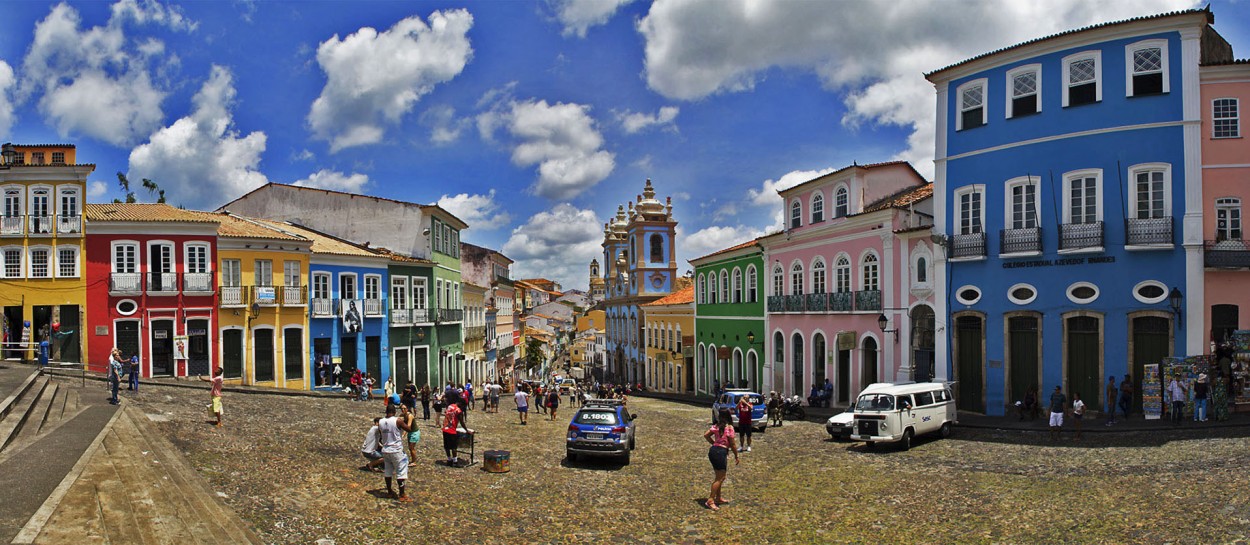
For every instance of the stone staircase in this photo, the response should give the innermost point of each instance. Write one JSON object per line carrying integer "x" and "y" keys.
{"x": 38, "y": 406}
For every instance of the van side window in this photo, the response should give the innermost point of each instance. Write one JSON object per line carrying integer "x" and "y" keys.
{"x": 904, "y": 402}
{"x": 943, "y": 395}
{"x": 924, "y": 398}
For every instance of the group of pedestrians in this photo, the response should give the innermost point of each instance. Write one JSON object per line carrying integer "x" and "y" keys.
{"x": 119, "y": 366}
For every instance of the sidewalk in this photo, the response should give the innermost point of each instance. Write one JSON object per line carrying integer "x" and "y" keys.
{"x": 1011, "y": 422}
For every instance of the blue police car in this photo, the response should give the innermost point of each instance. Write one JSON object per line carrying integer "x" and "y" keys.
{"x": 729, "y": 400}
{"x": 601, "y": 428}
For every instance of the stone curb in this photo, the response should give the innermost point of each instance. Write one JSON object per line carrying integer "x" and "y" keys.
{"x": 197, "y": 386}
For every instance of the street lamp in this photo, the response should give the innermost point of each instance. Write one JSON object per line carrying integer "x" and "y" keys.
{"x": 882, "y": 322}
{"x": 751, "y": 338}
{"x": 1174, "y": 298}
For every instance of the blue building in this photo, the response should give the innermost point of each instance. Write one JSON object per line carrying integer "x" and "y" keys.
{"x": 1068, "y": 195}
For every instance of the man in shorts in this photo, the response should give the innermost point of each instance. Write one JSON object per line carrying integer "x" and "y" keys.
{"x": 494, "y": 396}
{"x": 391, "y": 433}
{"x": 522, "y": 404}
{"x": 371, "y": 450}
{"x": 1057, "y": 403}
{"x": 745, "y": 426}
{"x": 215, "y": 393}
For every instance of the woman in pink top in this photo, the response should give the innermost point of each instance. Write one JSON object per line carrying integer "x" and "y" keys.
{"x": 721, "y": 437}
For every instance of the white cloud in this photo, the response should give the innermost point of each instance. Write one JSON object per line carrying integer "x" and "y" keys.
{"x": 578, "y": 16}
{"x": 695, "y": 49}
{"x": 373, "y": 79}
{"x": 96, "y": 189}
{"x": 633, "y": 122}
{"x": 767, "y": 195}
{"x": 445, "y": 127}
{"x": 561, "y": 139}
{"x": 96, "y": 81}
{"x": 557, "y": 244}
{"x": 201, "y": 160}
{"x": 716, "y": 238}
{"x": 333, "y": 179}
{"x": 481, "y": 212}
{"x": 303, "y": 155}
{"x": 6, "y": 103}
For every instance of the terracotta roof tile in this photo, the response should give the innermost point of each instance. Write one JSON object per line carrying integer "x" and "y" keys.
{"x": 901, "y": 199}
{"x": 868, "y": 166}
{"x": 233, "y": 226}
{"x": 682, "y": 296}
{"x": 144, "y": 212}
{"x": 401, "y": 258}
{"x": 326, "y": 244}
{"x": 337, "y": 192}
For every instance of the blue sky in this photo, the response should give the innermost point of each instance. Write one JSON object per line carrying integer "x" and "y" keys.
{"x": 530, "y": 120}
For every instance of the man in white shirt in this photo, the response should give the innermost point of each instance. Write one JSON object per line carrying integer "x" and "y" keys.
{"x": 1178, "y": 393}
{"x": 391, "y": 433}
{"x": 371, "y": 450}
{"x": 522, "y": 404}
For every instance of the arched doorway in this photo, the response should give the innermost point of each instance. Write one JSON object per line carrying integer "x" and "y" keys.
{"x": 922, "y": 343}
{"x": 869, "y": 365}
{"x": 818, "y": 364}
{"x": 738, "y": 376}
{"x": 779, "y": 360}
{"x": 753, "y": 367}
{"x": 796, "y": 357}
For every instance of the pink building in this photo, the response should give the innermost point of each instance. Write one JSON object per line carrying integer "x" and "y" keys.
{"x": 1225, "y": 186}
{"x": 850, "y": 281}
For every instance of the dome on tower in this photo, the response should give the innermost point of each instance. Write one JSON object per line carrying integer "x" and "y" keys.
{"x": 648, "y": 207}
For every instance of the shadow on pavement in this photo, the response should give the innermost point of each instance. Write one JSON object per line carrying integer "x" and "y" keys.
{"x": 597, "y": 464}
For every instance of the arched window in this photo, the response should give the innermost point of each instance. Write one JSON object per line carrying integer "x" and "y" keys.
{"x": 796, "y": 362}
{"x": 737, "y": 280}
{"x": 922, "y": 270}
{"x": 842, "y": 275}
{"x": 869, "y": 281}
{"x": 796, "y": 214}
{"x": 751, "y": 279}
{"x": 724, "y": 286}
{"x": 818, "y": 276}
{"x": 818, "y": 208}
{"x": 702, "y": 289}
{"x": 778, "y": 280}
{"x": 796, "y": 279}
{"x": 657, "y": 248}
{"x": 711, "y": 291}
{"x": 841, "y": 202}
{"x": 779, "y": 349}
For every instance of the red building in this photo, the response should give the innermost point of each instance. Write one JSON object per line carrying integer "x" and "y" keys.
{"x": 151, "y": 287}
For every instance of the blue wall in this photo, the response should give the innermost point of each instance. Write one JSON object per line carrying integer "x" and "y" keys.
{"x": 332, "y": 328}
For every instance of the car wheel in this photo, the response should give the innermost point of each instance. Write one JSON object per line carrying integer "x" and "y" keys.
{"x": 571, "y": 456}
{"x": 800, "y": 413}
{"x": 625, "y": 458}
{"x": 871, "y": 444}
{"x": 631, "y": 443}
{"x": 946, "y": 430}
{"x": 905, "y": 444}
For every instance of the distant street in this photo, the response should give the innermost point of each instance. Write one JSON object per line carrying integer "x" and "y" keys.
{"x": 290, "y": 466}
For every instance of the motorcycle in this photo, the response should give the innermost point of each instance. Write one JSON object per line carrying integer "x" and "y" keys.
{"x": 792, "y": 409}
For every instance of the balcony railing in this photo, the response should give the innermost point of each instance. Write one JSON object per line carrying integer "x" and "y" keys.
{"x": 197, "y": 282}
{"x": 401, "y": 316}
{"x": 321, "y": 307}
{"x": 776, "y": 303}
{"x": 126, "y": 283}
{"x": 266, "y": 296}
{"x": 68, "y": 225}
{"x": 970, "y": 245}
{"x": 817, "y": 302}
{"x": 1075, "y": 236}
{"x": 507, "y": 351}
{"x": 1148, "y": 231}
{"x": 794, "y": 303}
{"x": 373, "y": 307}
{"x": 450, "y": 314}
{"x": 1227, "y": 254}
{"x": 1020, "y": 241}
{"x": 162, "y": 283}
{"x": 422, "y": 316}
{"x": 11, "y": 225}
{"x": 475, "y": 332}
{"x": 293, "y": 296}
{"x": 840, "y": 301}
{"x": 233, "y": 296}
{"x": 868, "y": 300}
{"x": 40, "y": 225}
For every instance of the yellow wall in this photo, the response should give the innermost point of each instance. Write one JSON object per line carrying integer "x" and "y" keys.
{"x": 658, "y": 372}
{"x": 598, "y": 317}
{"x": 278, "y": 317}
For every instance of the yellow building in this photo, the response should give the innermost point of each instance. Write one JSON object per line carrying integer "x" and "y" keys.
{"x": 42, "y": 277}
{"x": 667, "y": 319}
{"x": 594, "y": 319}
{"x": 476, "y": 368}
{"x": 263, "y": 324}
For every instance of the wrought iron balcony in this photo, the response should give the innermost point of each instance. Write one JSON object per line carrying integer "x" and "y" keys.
{"x": 1226, "y": 254}
{"x": 422, "y": 316}
{"x": 507, "y": 351}
{"x": 450, "y": 314}
{"x": 475, "y": 332}
{"x": 776, "y": 303}
{"x": 866, "y": 300}
{"x": 197, "y": 282}
{"x": 162, "y": 283}
{"x": 11, "y": 225}
{"x": 1148, "y": 231}
{"x": 970, "y": 245}
{"x": 817, "y": 302}
{"x": 1075, "y": 236}
{"x": 293, "y": 296}
{"x": 266, "y": 296}
{"x": 125, "y": 283}
{"x": 1020, "y": 241}
{"x": 321, "y": 307}
{"x": 233, "y": 296}
{"x": 401, "y": 316}
{"x": 40, "y": 225}
{"x": 840, "y": 301}
{"x": 69, "y": 225}
{"x": 794, "y": 303}
{"x": 373, "y": 307}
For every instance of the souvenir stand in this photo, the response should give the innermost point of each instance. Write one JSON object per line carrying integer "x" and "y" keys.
{"x": 1188, "y": 368}
{"x": 1239, "y": 370}
{"x": 1151, "y": 392}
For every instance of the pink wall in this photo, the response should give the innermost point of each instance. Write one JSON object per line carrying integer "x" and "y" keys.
{"x": 1225, "y": 174}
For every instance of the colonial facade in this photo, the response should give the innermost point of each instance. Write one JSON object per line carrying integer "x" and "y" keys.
{"x": 728, "y": 336}
{"x": 667, "y": 369}
{"x": 1069, "y": 195}
{"x": 411, "y": 335}
{"x": 42, "y": 287}
{"x": 1225, "y": 173}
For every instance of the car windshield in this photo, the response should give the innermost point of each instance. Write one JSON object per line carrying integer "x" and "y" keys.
{"x": 596, "y": 418}
{"x": 875, "y": 402}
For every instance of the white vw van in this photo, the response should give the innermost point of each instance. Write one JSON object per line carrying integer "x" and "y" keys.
{"x": 898, "y": 412}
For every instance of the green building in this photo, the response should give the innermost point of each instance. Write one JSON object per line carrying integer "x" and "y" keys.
{"x": 729, "y": 319}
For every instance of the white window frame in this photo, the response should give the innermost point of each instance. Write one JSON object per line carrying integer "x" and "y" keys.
{"x": 1134, "y": 170}
{"x": 289, "y": 266}
{"x": 134, "y": 245}
{"x": 60, "y": 262}
{"x": 1075, "y": 285}
{"x": 17, "y": 195}
{"x": 1228, "y": 204}
{"x": 796, "y": 215}
{"x": 49, "y": 262}
{"x": 1012, "y": 297}
{"x": 922, "y": 252}
{"x": 779, "y": 280}
{"x": 959, "y": 193}
{"x": 355, "y": 285}
{"x": 1132, "y": 48}
{"x": 844, "y": 191}
{"x": 842, "y": 270}
{"x": 1150, "y": 301}
{"x": 752, "y": 294}
{"x": 259, "y": 279}
{"x": 818, "y": 198}
{"x": 1011, "y": 87}
{"x": 1066, "y": 198}
{"x": 1009, "y": 205}
{"x": 983, "y": 83}
{"x": 1236, "y": 118}
{"x": 231, "y": 273}
{"x": 959, "y": 294}
{"x": 399, "y": 293}
{"x": 823, "y": 285}
{"x": 21, "y": 261}
{"x": 1096, "y": 55}
{"x": 318, "y": 279}
{"x": 364, "y": 286}
{"x": 711, "y": 288}
{"x": 796, "y": 277}
{"x": 186, "y": 256}
{"x": 724, "y": 286}
{"x": 702, "y": 289}
{"x": 69, "y": 190}
{"x": 736, "y": 278}
{"x": 864, "y": 277}
{"x": 419, "y": 287}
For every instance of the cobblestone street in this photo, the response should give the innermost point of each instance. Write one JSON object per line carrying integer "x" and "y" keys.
{"x": 290, "y": 466}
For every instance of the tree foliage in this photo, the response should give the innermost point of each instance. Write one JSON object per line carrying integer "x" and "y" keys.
{"x": 533, "y": 353}
{"x": 151, "y": 187}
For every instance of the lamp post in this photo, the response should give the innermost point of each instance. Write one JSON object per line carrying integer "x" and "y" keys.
{"x": 883, "y": 322}
{"x": 1174, "y": 299}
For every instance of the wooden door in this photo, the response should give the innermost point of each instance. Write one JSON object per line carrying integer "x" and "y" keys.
{"x": 970, "y": 334}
